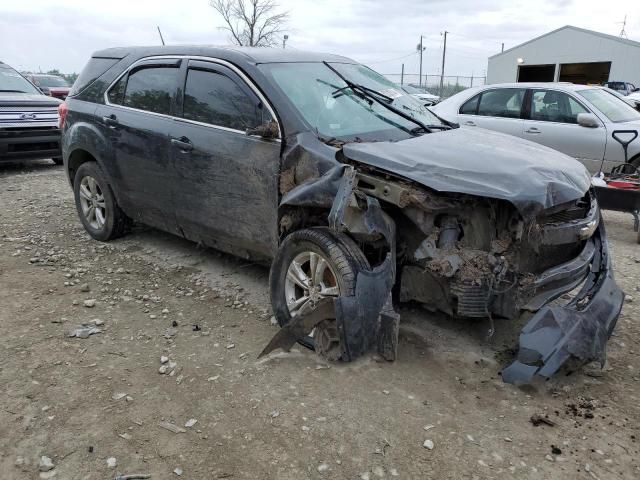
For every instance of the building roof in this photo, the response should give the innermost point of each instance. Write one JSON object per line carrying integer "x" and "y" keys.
{"x": 626, "y": 41}
{"x": 251, "y": 54}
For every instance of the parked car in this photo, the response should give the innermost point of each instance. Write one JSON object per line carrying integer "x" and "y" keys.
{"x": 421, "y": 94}
{"x": 574, "y": 119}
{"x": 634, "y": 98}
{"x": 28, "y": 120}
{"x": 52, "y": 85}
{"x": 629, "y": 99}
{"x": 303, "y": 161}
{"x": 625, "y": 88}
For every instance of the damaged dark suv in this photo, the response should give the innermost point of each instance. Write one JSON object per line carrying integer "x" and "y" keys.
{"x": 356, "y": 194}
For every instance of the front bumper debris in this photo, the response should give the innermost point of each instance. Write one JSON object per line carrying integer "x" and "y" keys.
{"x": 366, "y": 319}
{"x": 579, "y": 329}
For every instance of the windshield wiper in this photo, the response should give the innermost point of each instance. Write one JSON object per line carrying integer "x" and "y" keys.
{"x": 367, "y": 92}
{"x": 13, "y": 91}
{"x": 440, "y": 127}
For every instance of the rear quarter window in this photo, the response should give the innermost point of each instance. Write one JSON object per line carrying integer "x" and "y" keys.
{"x": 470, "y": 107}
{"x": 96, "y": 67}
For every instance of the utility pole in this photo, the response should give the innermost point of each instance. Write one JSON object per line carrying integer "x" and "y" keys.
{"x": 284, "y": 40}
{"x": 160, "y": 33}
{"x": 502, "y": 46}
{"x": 402, "y": 75}
{"x": 421, "y": 49}
{"x": 444, "y": 53}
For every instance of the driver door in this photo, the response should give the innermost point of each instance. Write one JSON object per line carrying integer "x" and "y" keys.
{"x": 225, "y": 187}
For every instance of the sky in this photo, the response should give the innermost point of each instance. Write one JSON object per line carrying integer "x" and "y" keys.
{"x": 62, "y": 34}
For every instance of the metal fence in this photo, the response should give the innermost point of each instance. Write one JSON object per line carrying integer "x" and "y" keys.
{"x": 451, "y": 84}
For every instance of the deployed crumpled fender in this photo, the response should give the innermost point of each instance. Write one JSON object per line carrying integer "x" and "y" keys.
{"x": 367, "y": 318}
{"x": 577, "y": 330}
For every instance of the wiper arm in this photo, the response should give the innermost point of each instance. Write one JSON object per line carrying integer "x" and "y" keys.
{"x": 13, "y": 91}
{"x": 367, "y": 92}
{"x": 440, "y": 127}
{"x": 366, "y": 89}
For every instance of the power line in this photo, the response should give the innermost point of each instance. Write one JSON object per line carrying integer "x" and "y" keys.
{"x": 393, "y": 59}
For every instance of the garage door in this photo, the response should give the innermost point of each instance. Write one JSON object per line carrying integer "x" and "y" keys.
{"x": 595, "y": 73}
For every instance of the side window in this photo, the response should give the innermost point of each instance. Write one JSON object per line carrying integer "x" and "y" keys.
{"x": 505, "y": 102}
{"x": 151, "y": 89}
{"x": 116, "y": 93}
{"x": 553, "y": 106}
{"x": 470, "y": 107}
{"x": 212, "y": 97}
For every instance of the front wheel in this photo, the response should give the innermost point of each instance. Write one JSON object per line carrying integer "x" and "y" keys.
{"x": 310, "y": 265}
{"x": 99, "y": 213}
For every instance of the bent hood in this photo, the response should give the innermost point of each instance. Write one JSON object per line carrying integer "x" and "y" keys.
{"x": 483, "y": 163}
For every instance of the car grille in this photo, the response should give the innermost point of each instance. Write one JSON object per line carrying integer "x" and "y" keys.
{"x": 567, "y": 212}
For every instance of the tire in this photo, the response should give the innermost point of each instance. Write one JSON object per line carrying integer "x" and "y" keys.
{"x": 343, "y": 256}
{"x": 114, "y": 222}
{"x": 57, "y": 160}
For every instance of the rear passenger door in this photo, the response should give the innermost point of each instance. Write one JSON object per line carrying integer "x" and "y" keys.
{"x": 137, "y": 119}
{"x": 552, "y": 120}
{"x": 498, "y": 109}
{"x": 225, "y": 184}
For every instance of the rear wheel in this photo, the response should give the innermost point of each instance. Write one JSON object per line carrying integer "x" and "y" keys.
{"x": 313, "y": 264}
{"x": 99, "y": 213}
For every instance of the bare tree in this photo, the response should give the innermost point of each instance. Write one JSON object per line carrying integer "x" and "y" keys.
{"x": 252, "y": 23}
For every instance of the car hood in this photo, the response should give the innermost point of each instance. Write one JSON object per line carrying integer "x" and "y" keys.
{"x": 483, "y": 163}
{"x": 13, "y": 99}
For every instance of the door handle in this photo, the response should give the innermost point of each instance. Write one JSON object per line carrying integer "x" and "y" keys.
{"x": 111, "y": 121}
{"x": 470, "y": 123}
{"x": 183, "y": 143}
{"x": 532, "y": 130}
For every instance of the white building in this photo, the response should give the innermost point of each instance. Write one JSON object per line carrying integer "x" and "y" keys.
{"x": 568, "y": 54}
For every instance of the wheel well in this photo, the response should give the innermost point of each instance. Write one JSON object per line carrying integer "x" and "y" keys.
{"x": 77, "y": 158}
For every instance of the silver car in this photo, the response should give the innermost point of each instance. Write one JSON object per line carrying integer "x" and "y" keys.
{"x": 575, "y": 119}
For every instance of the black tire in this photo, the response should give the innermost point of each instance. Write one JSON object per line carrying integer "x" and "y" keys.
{"x": 57, "y": 160}
{"x": 115, "y": 221}
{"x": 342, "y": 253}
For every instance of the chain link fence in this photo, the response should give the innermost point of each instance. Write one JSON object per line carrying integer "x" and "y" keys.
{"x": 451, "y": 84}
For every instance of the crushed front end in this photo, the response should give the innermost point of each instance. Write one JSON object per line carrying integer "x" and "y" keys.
{"x": 489, "y": 245}
{"x": 482, "y": 258}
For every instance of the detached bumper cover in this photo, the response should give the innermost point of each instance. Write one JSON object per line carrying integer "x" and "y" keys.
{"x": 579, "y": 329}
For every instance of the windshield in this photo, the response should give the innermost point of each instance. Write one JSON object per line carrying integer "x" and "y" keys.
{"x": 50, "y": 81}
{"x": 12, "y": 81}
{"x": 335, "y": 111}
{"x": 613, "y": 107}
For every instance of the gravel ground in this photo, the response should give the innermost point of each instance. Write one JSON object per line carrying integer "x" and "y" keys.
{"x": 99, "y": 406}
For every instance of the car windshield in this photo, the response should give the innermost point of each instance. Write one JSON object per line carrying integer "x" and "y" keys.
{"x": 336, "y": 111}
{"x": 51, "y": 81}
{"x": 12, "y": 81}
{"x": 613, "y": 107}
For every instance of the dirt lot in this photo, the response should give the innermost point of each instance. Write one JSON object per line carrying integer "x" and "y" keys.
{"x": 81, "y": 401}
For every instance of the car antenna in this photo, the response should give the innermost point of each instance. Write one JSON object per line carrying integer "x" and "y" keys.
{"x": 160, "y": 33}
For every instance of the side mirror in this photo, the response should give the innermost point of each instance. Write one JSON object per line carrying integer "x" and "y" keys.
{"x": 588, "y": 120}
{"x": 266, "y": 130}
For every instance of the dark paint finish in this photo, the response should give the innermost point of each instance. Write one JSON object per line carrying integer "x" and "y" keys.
{"x": 222, "y": 187}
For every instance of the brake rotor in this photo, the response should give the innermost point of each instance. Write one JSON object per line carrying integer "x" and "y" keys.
{"x": 327, "y": 340}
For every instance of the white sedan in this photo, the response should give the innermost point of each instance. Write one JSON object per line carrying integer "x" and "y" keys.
{"x": 421, "y": 94}
{"x": 578, "y": 120}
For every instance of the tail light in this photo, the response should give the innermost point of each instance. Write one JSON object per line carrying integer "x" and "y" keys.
{"x": 62, "y": 114}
